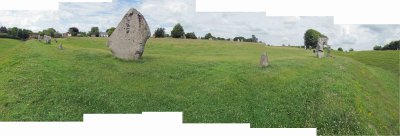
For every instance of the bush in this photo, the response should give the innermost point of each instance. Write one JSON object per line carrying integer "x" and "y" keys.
{"x": 159, "y": 33}
{"x": 351, "y": 49}
{"x": 17, "y": 33}
{"x": 377, "y": 47}
{"x": 191, "y": 35}
{"x": 177, "y": 31}
{"x": 340, "y": 49}
{"x": 5, "y": 35}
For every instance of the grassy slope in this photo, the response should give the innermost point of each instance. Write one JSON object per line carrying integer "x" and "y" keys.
{"x": 388, "y": 60}
{"x": 210, "y": 81}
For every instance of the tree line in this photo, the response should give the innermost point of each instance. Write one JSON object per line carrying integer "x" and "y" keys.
{"x": 179, "y": 32}
{"x": 393, "y": 45}
{"x": 24, "y": 34}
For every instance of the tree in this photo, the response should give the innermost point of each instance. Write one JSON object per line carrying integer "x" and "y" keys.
{"x": 340, "y": 49}
{"x": 311, "y": 38}
{"x": 208, "y": 36}
{"x": 377, "y": 47}
{"x": 3, "y": 29}
{"x": 73, "y": 31}
{"x": 351, "y": 49}
{"x": 110, "y": 31}
{"x": 159, "y": 33}
{"x": 177, "y": 31}
{"x": 52, "y": 32}
{"x": 82, "y": 34}
{"x": 94, "y": 31}
{"x": 13, "y": 31}
{"x": 19, "y": 33}
{"x": 49, "y": 32}
{"x": 254, "y": 38}
{"x": 191, "y": 35}
{"x": 393, "y": 45}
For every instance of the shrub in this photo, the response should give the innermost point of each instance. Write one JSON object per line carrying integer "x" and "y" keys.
{"x": 191, "y": 35}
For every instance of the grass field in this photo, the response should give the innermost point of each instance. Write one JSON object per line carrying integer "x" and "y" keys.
{"x": 388, "y": 60}
{"x": 209, "y": 81}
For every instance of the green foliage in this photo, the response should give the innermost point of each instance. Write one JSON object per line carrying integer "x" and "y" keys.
{"x": 239, "y": 38}
{"x": 393, "y": 45}
{"x": 110, "y": 31}
{"x": 210, "y": 81}
{"x": 5, "y": 35}
{"x": 220, "y": 38}
{"x": 351, "y": 49}
{"x": 16, "y": 32}
{"x": 340, "y": 49}
{"x": 377, "y": 47}
{"x": 82, "y": 34}
{"x": 73, "y": 31}
{"x": 311, "y": 37}
{"x": 50, "y": 32}
{"x": 177, "y": 31}
{"x": 159, "y": 33}
{"x": 191, "y": 35}
{"x": 3, "y": 29}
{"x": 208, "y": 36}
{"x": 94, "y": 31}
{"x": 253, "y": 38}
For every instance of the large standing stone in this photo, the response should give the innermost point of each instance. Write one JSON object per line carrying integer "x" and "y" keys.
{"x": 264, "y": 60}
{"x": 129, "y": 38}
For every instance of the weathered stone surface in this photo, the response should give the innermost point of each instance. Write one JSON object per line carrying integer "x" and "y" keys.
{"x": 130, "y": 36}
{"x": 320, "y": 47}
{"x": 47, "y": 39}
{"x": 264, "y": 60}
{"x": 60, "y": 46}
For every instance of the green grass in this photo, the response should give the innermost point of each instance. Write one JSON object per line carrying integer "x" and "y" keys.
{"x": 209, "y": 81}
{"x": 388, "y": 60}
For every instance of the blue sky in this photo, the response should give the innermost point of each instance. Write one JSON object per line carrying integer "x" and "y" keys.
{"x": 166, "y": 13}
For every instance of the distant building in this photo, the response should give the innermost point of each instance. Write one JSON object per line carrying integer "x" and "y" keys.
{"x": 67, "y": 34}
{"x": 103, "y": 34}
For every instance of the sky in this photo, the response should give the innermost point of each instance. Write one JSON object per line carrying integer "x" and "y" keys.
{"x": 166, "y": 13}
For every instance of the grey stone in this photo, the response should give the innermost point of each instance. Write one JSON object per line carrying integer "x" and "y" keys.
{"x": 320, "y": 47}
{"x": 264, "y": 60}
{"x": 47, "y": 39}
{"x": 130, "y": 36}
{"x": 60, "y": 46}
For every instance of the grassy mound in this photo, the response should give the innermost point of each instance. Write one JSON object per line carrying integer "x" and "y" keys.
{"x": 388, "y": 60}
{"x": 210, "y": 81}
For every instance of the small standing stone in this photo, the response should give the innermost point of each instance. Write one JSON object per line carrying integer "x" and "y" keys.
{"x": 264, "y": 60}
{"x": 60, "y": 46}
{"x": 47, "y": 39}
